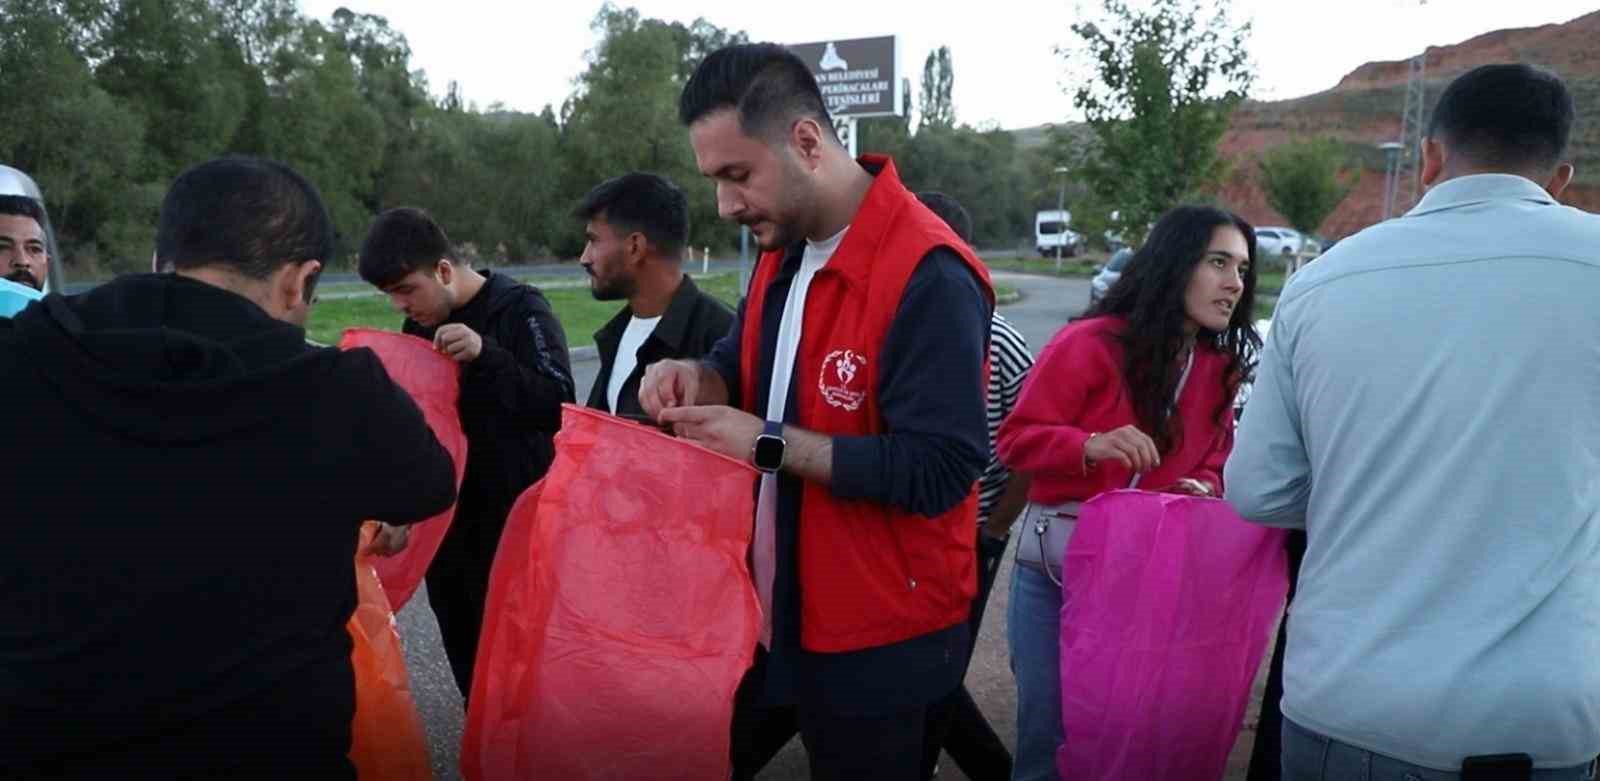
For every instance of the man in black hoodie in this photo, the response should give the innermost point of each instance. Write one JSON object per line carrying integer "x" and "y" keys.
{"x": 182, "y": 517}
{"x": 515, "y": 376}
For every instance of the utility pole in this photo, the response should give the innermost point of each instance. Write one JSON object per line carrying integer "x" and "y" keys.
{"x": 1408, "y": 174}
{"x": 1061, "y": 206}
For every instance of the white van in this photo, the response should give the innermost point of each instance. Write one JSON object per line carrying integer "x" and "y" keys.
{"x": 1050, "y": 232}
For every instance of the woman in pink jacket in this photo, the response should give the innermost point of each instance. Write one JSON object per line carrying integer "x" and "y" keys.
{"x": 1138, "y": 392}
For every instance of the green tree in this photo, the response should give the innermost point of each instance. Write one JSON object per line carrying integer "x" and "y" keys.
{"x": 171, "y": 62}
{"x": 382, "y": 59}
{"x": 74, "y": 139}
{"x": 1072, "y": 146}
{"x": 887, "y": 135}
{"x": 938, "y": 78}
{"x": 315, "y": 119}
{"x": 1166, "y": 81}
{"x": 259, "y": 28}
{"x": 697, "y": 40}
{"x": 624, "y": 117}
{"x": 976, "y": 167}
{"x": 1302, "y": 182}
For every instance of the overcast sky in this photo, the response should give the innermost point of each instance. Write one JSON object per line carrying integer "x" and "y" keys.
{"x": 527, "y": 54}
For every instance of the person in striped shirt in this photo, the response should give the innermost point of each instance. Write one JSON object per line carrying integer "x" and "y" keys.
{"x": 955, "y": 724}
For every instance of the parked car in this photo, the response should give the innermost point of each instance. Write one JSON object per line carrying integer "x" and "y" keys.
{"x": 1275, "y": 242}
{"x": 1113, "y": 239}
{"x": 1108, "y": 275}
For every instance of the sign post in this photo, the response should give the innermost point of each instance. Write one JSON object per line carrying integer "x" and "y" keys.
{"x": 845, "y": 128}
{"x": 858, "y": 77}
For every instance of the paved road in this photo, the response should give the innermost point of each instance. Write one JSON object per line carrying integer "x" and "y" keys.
{"x": 1046, "y": 305}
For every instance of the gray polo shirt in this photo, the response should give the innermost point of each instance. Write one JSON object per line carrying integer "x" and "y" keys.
{"x": 1428, "y": 409}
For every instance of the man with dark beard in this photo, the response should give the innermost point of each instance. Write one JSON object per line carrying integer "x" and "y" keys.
{"x": 637, "y": 226}
{"x": 854, "y": 379}
{"x": 24, "y": 252}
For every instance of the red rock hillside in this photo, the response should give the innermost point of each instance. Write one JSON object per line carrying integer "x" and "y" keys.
{"x": 1364, "y": 110}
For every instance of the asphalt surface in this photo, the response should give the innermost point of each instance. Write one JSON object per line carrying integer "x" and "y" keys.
{"x": 1046, "y": 305}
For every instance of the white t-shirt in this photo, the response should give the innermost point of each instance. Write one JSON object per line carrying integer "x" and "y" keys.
{"x": 639, "y": 329}
{"x": 816, "y": 255}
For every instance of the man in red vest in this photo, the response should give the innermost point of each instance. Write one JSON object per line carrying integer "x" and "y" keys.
{"x": 854, "y": 377}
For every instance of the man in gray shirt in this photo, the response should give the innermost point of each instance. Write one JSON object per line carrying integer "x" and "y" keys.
{"x": 1428, "y": 410}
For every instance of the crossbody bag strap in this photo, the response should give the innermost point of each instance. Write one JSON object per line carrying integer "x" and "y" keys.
{"x": 1042, "y": 519}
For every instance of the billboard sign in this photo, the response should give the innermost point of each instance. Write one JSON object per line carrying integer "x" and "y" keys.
{"x": 859, "y": 77}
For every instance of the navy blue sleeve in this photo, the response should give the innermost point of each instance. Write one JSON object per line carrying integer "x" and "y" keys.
{"x": 724, "y": 356}
{"x": 932, "y": 397}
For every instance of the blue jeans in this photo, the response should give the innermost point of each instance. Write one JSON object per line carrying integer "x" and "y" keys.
{"x": 1309, "y": 756}
{"x": 1033, "y": 630}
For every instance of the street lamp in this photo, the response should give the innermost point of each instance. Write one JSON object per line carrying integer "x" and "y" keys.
{"x": 1391, "y": 179}
{"x": 1061, "y": 206}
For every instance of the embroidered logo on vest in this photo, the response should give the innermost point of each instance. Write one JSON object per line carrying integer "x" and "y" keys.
{"x": 842, "y": 379}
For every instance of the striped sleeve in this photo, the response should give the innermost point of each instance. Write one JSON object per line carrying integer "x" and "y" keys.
{"x": 1009, "y": 362}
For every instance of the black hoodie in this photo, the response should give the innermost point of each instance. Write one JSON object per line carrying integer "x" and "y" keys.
{"x": 511, "y": 396}
{"x": 187, "y": 478}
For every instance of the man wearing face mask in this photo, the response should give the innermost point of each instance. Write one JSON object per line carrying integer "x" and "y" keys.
{"x": 515, "y": 375}
{"x": 24, "y": 252}
{"x": 177, "y": 556}
{"x": 854, "y": 377}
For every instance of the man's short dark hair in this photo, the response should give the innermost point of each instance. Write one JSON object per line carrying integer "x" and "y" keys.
{"x": 641, "y": 202}
{"x": 22, "y": 206}
{"x": 1509, "y": 116}
{"x": 251, "y": 215}
{"x": 950, "y": 210}
{"x": 399, "y": 242}
{"x": 768, "y": 85}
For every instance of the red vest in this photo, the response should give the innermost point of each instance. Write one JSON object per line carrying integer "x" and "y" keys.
{"x": 870, "y": 574}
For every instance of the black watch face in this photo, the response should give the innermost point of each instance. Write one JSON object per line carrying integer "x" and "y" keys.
{"x": 769, "y": 452}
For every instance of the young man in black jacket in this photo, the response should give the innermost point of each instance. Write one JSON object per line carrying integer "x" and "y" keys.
{"x": 515, "y": 375}
{"x": 637, "y": 226}
{"x": 182, "y": 513}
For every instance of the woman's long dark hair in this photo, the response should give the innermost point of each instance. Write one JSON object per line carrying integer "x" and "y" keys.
{"x": 1150, "y": 297}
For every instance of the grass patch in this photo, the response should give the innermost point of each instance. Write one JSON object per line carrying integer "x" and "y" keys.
{"x": 1080, "y": 267}
{"x": 1269, "y": 281}
{"x": 579, "y": 313}
{"x": 724, "y": 287}
{"x": 575, "y": 307}
{"x": 329, "y": 319}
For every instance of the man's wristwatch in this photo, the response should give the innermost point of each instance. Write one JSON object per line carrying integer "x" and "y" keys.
{"x": 767, "y": 455}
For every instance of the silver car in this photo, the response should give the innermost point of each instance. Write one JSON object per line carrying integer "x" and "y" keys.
{"x": 1108, "y": 275}
{"x": 1274, "y": 242}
